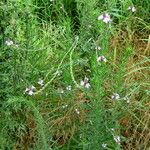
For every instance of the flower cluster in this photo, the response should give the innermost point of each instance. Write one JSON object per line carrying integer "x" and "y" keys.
{"x": 104, "y": 145}
{"x": 30, "y": 90}
{"x": 132, "y": 8}
{"x": 105, "y": 17}
{"x": 77, "y": 111}
{"x": 64, "y": 106}
{"x": 101, "y": 59}
{"x": 85, "y": 83}
{"x": 69, "y": 88}
{"x": 41, "y": 82}
{"x": 9, "y": 42}
{"x": 115, "y": 96}
{"x": 117, "y": 139}
{"x": 97, "y": 47}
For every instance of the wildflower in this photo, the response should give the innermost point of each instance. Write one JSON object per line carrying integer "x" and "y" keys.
{"x": 40, "y": 82}
{"x": 64, "y": 106}
{"x": 77, "y": 111}
{"x": 112, "y": 129}
{"x": 105, "y": 17}
{"x": 85, "y": 83}
{"x": 115, "y": 96}
{"x": 126, "y": 99}
{"x": 97, "y": 47}
{"x": 30, "y": 90}
{"x": 60, "y": 90}
{"x": 132, "y": 8}
{"x": 9, "y": 42}
{"x": 117, "y": 139}
{"x": 69, "y": 88}
{"x": 104, "y": 145}
{"x": 101, "y": 58}
{"x": 62, "y": 7}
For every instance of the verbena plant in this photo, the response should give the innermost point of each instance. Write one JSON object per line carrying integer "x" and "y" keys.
{"x": 74, "y": 74}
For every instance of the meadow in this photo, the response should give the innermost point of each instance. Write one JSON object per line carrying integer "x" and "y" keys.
{"x": 75, "y": 75}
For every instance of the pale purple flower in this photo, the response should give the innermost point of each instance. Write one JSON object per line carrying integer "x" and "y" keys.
{"x": 85, "y": 83}
{"x": 117, "y": 139}
{"x": 30, "y": 90}
{"x": 101, "y": 58}
{"x": 69, "y": 87}
{"x": 9, "y": 42}
{"x": 40, "y": 82}
{"x": 132, "y": 8}
{"x": 104, "y": 145}
{"x": 77, "y": 111}
{"x": 105, "y": 17}
{"x": 115, "y": 96}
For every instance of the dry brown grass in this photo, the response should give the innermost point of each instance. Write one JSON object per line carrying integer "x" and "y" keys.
{"x": 136, "y": 123}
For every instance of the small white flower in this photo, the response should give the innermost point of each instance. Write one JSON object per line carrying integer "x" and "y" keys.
{"x": 69, "y": 87}
{"x": 40, "y": 82}
{"x": 104, "y": 145}
{"x": 132, "y": 8}
{"x": 77, "y": 111}
{"x": 62, "y": 7}
{"x": 60, "y": 90}
{"x": 30, "y": 90}
{"x": 115, "y": 96}
{"x": 9, "y": 42}
{"x": 98, "y": 47}
{"x": 85, "y": 83}
{"x": 64, "y": 106}
{"x": 82, "y": 83}
{"x": 112, "y": 129}
{"x": 126, "y": 99}
{"x": 101, "y": 58}
{"x": 117, "y": 139}
{"x": 33, "y": 88}
{"x": 105, "y": 17}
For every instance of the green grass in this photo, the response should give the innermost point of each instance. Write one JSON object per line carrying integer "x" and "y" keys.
{"x": 56, "y": 41}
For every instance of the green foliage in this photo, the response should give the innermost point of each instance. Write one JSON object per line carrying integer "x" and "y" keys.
{"x": 57, "y": 41}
